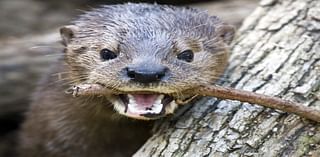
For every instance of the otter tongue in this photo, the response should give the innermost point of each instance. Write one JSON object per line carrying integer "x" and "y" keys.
{"x": 145, "y": 100}
{"x": 145, "y": 103}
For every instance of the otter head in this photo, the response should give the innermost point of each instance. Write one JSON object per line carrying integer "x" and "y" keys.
{"x": 149, "y": 57}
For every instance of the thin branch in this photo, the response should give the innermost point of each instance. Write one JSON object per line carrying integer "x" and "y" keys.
{"x": 86, "y": 89}
{"x": 260, "y": 99}
{"x": 224, "y": 93}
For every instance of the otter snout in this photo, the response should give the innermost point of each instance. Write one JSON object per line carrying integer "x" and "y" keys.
{"x": 147, "y": 73}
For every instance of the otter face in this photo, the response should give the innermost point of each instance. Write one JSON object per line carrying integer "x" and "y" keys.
{"x": 149, "y": 67}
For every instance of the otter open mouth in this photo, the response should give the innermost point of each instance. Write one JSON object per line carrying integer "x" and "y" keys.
{"x": 135, "y": 104}
{"x": 145, "y": 105}
{"x": 149, "y": 105}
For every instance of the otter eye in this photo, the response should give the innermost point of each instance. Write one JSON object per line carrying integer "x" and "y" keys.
{"x": 186, "y": 55}
{"x": 107, "y": 54}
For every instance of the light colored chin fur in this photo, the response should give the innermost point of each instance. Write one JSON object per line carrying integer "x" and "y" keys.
{"x": 120, "y": 108}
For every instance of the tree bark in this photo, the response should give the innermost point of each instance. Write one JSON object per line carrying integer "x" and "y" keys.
{"x": 277, "y": 52}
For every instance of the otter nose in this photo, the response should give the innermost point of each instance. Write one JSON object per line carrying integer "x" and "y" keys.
{"x": 147, "y": 74}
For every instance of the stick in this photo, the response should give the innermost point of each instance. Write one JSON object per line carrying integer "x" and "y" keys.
{"x": 86, "y": 89}
{"x": 260, "y": 99}
{"x": 224, "y": 93}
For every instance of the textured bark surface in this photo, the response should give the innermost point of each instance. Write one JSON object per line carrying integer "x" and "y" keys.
{"x": 277, "y": 52}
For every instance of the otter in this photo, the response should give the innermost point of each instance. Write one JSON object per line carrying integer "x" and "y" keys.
{"x": 145, "y": 56}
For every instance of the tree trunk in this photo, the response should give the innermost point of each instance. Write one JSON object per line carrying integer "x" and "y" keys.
{"x": 277, "y": 52}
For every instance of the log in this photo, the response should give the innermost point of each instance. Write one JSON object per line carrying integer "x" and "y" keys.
{"x": 276, "y": 52}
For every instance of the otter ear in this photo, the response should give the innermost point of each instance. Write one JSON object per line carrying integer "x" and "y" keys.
{"x": 67, "y": 33}
{"x": 226, "y": 32}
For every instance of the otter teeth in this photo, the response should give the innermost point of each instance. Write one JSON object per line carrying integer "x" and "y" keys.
{"x": 155, "y": 108}
{"x": 131, "y": 99}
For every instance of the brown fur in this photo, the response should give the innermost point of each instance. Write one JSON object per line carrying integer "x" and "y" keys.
{"x": 58, "y": 125}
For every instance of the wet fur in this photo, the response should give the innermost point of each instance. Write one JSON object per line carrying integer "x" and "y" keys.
{"x": 58, "y": 125}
